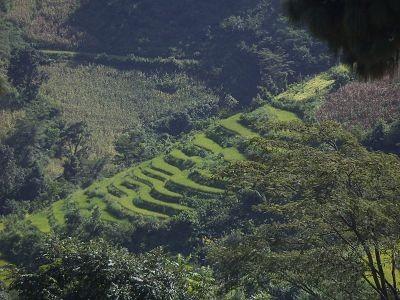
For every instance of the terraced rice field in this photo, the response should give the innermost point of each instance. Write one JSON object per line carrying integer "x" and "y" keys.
{"x": 159, "y": 188}
{"x": 165, "y": 185}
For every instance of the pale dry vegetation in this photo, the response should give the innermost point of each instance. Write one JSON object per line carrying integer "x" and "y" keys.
{"x": 363, "y": 104}
{"x": 47, "y": 21}
{"x": 111, "y": 101}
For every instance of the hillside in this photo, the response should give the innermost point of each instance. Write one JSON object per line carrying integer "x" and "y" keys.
{"x": 166, "y": 185}
{"x": 181, "y": 179}
{"x": 199, "y": 150}
{"x": 124, "y": 72}
{"x": 112, "y": 101}
{"x": 232, "y": 41}
{"x": 172, "y": 183}
{"x": 180, "y": 183}
{"x": 162, "y": 187}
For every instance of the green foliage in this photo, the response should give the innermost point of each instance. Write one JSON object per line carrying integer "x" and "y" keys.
{"x": 167, "y": 64}
{"x": 332, "y": 211}
{"x": 11, "y": 176}
{"x": 384, "y": 137}
{"x": 10, "y": 40}
{"x": 96, "y": 270}
{"x": 18, "y": 236}
{"x": 175, "y": 124}
{"x": 135, "y": 146}
{"x": 24, "y": 74}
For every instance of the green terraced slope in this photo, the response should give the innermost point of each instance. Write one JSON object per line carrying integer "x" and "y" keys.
{"x": 302, "y": 91}
{"x": 233, "y": 124}
{"x": 229, "y": 153}
{"x": 279, "y": 114}
{"x": 167, "y": 184}
{"x": 158, "y": 188}
{"x": 202, "y": 141}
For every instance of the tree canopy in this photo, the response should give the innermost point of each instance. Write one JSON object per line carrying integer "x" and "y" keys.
{"x": 331, "y": 212}
{"x": 70, "y": 269}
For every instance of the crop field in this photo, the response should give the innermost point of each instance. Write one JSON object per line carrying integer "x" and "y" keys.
{"x": 161, "y": 187}
{"x": 167, "y": 184}
{"x": 111, "y": 101}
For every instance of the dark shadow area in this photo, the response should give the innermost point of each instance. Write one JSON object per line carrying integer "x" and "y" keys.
{"x": 155, "y": 27}
{"x": 243, "y": 47}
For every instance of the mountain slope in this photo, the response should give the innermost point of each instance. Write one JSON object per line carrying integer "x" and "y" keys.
{"x": 161, "y": 187}
{"x": 172, "y": 183}
{"x": 175, "y": 182}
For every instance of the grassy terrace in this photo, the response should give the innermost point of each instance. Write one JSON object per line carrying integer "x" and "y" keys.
{"x": 202, "y": 141}
{"x": 233, "y": 124}
{"x": 303, "y": 91}
{"x": 279, "y": 114}
{"x": 57, "y": 54}
{"x": 161, "y": 187}
{"x": 155, "y": 188}
{"x": 229, "y": 153}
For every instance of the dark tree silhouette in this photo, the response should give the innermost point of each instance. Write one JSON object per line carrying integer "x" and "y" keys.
{"x": 366, "y": 33}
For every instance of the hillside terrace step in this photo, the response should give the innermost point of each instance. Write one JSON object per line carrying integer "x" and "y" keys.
{"x": 184, "y": 182}
{"x": 202, "y": 141}
{"x": 157, "y": 185}
{"x": 233, "y": 124}
{"x": 159, "y": 164}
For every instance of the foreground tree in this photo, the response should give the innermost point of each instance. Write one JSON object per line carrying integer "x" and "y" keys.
{"x": 366, "y": 33}
{"x": 71, "y": 269}
{"x": 131, "y": 148}
{"x": 331, "y": 212}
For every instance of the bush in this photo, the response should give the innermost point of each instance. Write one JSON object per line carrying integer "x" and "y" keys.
{"x": 221, "y": 136}
{"x": 256, "y": 120}
{"x": 175, "y": 124}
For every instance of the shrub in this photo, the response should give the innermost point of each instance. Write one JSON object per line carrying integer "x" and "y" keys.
{"x": 221, "y": 136}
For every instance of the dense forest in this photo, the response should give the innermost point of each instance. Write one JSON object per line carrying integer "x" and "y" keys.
{"x": 199, "y": 150}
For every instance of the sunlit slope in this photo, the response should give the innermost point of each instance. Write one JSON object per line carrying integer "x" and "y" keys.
{"x": 162, "y": 187}
{"x": 172, "y": 183}
{"x": 167, "y": 184}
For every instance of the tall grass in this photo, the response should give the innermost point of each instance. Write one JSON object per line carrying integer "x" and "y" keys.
{"x": 111, "y": 101}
